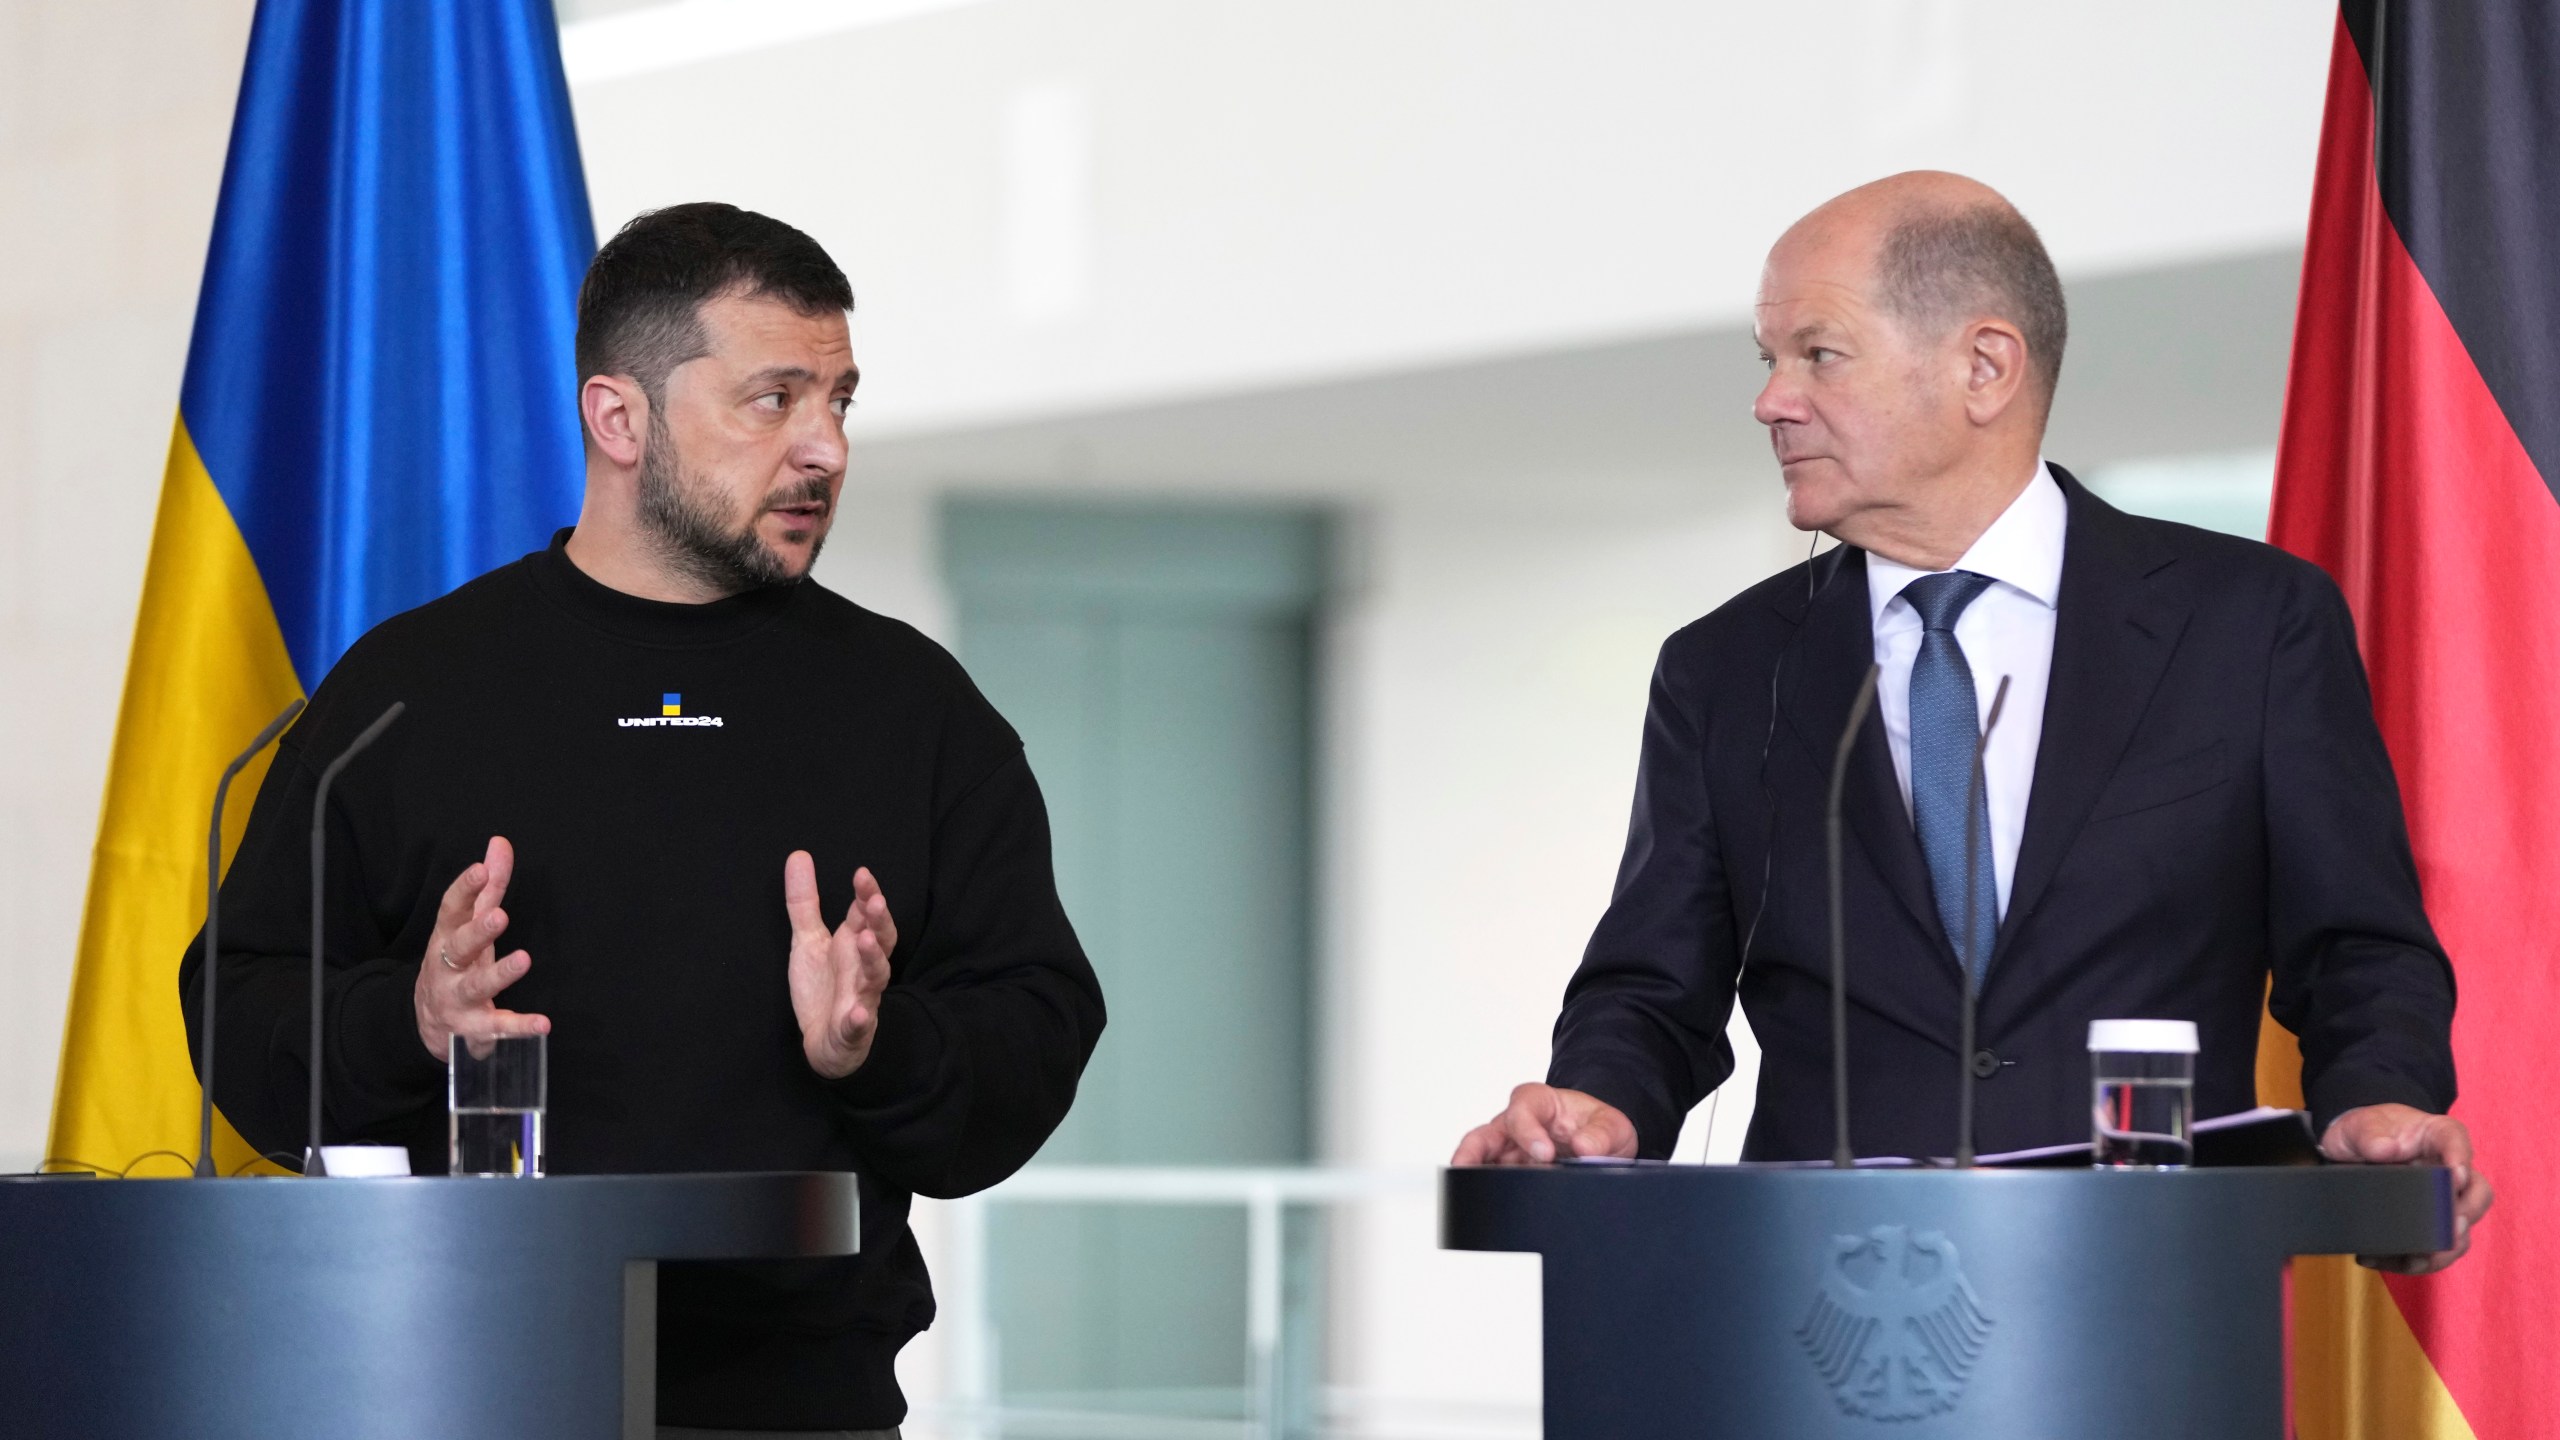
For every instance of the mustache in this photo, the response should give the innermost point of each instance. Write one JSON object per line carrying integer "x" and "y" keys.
{"x": 812, "y": 491}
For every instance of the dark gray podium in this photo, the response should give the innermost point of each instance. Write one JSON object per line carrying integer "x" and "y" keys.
{"x": 1708, "y": 1301}
{"x": 272, "y": 1308}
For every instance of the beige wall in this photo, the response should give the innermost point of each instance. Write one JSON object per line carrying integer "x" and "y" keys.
{"x": 113, "y": 118}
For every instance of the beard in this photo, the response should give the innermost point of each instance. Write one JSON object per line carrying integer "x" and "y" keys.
{"x": 682, "y": 512}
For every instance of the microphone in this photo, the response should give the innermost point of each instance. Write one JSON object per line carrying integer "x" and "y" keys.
{"x": 1972, "y": 971}
{"x": 213, "y": 927}
{"x": 312, "y": 1164}
{"x": 1841, "y": 1155}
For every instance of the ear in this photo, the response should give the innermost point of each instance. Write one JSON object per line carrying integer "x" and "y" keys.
{"x": 1996, "y": 369}
{"x": 616, "y": 413}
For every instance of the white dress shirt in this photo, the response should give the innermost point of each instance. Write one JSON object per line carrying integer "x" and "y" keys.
{"x": 2007, "y": 630}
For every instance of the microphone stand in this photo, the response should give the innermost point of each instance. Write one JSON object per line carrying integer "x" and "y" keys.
{"x": 312, "y": 1163}
{"x": 1841, "y": 1155}
{"x": 213, "y": 928}
{"x": 1972, "y": 972}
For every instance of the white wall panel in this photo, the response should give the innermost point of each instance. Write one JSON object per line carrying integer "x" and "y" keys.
{"x": 1283, "y": 192}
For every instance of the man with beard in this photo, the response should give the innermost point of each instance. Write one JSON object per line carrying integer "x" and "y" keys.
{"x": 768, "y": 870}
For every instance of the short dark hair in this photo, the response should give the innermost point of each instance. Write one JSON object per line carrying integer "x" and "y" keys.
{"x": 640, "y": 310}
{"x": 1939, "y": 267}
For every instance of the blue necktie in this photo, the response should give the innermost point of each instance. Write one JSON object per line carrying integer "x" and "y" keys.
{"x": 1944, "y": 727}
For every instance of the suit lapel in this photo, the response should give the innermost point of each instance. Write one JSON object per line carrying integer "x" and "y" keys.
{"x": 1833, "y": 650}
{"x": 2114, "y": 631}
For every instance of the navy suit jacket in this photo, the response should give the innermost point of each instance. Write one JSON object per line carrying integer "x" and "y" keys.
{"x": 2212, "y": 804}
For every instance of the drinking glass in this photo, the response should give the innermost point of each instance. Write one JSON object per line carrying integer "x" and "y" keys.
{"x": 2143, "y": 1086}
{"x": 497, "y": 1089}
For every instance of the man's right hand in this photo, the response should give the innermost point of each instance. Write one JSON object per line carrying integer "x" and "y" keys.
{"x": 1542, "y": 1123}
{"x": 461, "y": 974}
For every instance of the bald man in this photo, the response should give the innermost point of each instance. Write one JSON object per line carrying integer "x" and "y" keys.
{"x": 2185, "y": 795}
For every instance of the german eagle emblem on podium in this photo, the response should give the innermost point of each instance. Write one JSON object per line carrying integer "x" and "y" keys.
{"x": 1896, "y": 1329}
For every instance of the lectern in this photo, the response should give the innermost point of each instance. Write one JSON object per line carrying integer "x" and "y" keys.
{"x": 1763, "y": 1302}
{"x": 272, "y": 1308}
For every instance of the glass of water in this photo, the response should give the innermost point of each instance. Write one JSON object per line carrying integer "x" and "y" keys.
{"x": 496, "y": 1093}
{"x": 2143, "y": 1088}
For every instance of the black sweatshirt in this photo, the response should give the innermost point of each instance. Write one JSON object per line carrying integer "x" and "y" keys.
{"x": 653, "y": 764}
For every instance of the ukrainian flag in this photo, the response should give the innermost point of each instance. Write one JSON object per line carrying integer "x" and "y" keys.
{"x": 378, "y": 406}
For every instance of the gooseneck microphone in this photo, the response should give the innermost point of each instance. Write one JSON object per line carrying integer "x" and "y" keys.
{"x": 1972, "y": 961}
{"x": 213, "y": 927}
{"x": 1841, "y": 1155}
{"x": 312, "y": 1164}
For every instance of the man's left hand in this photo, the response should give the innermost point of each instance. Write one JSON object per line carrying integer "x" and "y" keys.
{"x": 2405, "y": 1135}
{"x": 836, "y": 975}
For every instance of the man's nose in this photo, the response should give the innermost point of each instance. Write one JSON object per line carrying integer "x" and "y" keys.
{"x": 1777, "y": 401}
{"x": 820, "y": 447}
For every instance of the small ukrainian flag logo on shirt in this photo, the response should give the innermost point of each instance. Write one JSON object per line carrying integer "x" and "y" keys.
{"x": 670, "y": 713}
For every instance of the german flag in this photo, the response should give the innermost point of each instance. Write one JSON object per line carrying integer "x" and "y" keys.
{"x": 2418, "y": 463}
{"x": 379, "y": 404}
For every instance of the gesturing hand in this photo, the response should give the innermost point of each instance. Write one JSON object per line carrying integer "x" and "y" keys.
{"x": 1543, "y": 1123}
{"x": 836, "y": 975}
{"x": 460, "y": 976}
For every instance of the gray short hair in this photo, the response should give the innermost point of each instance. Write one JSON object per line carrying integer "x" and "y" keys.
{"x": 1941, "y": 267}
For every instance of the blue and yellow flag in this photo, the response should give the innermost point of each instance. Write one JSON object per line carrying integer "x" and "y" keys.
{"x": 379, "y": 405}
